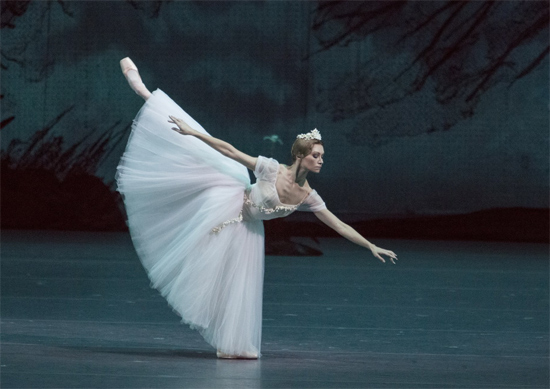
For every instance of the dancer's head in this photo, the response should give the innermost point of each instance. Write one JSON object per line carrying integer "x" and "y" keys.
{"x": 308, "y": 148}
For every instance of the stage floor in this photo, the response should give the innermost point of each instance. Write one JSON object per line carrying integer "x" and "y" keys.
{"x": 77, "y": 312}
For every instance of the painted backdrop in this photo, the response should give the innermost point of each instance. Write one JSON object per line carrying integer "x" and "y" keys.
{"x": 436, "y": 107}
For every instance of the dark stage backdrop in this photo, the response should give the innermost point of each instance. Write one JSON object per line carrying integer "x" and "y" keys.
{"x": 426, "y": 108}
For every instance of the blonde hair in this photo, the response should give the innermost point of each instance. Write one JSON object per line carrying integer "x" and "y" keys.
{"x": 303, "y": 147}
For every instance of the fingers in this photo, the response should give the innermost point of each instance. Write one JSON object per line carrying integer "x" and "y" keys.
{"x": 173, "y": 119}
{"x": 392, "y": 256}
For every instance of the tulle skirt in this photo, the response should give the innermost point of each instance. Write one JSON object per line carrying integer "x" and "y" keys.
{"x": 175, "y": 190}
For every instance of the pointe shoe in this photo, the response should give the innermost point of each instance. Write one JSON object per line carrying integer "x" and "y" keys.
{"x": 133, "y": 78}
{"x": 221, "y": 355}
{"x": 127, "y": 64}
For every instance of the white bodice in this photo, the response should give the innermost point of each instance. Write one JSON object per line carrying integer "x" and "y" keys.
{"x": 261, "y": 201}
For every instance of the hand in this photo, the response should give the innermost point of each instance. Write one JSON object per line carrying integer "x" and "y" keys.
{"x": 376, "y": 251}
{"x": 182, "y": 127}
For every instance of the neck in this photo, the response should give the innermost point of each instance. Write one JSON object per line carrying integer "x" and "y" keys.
{"x": 298, "y": 172}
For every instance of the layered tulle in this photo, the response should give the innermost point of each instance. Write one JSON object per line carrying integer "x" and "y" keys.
{"x": 176, "y": 189}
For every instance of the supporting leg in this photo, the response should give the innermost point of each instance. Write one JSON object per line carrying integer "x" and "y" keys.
{"x": 221, "y": 355}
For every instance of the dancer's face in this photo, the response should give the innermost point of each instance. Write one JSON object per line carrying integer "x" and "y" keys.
{"x": 314, "y": 160}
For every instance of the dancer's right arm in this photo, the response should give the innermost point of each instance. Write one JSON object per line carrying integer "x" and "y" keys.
{"x": 217, "y": 144}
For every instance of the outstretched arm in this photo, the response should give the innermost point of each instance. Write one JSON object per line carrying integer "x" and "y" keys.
{"x": 217, "y": 144}
{"x": 349, "y": 233}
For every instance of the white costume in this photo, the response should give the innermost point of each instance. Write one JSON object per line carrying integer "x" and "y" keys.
{"x": 196, "y": 223}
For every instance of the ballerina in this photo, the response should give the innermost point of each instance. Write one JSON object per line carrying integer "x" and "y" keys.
{"x": 196, "y": 220}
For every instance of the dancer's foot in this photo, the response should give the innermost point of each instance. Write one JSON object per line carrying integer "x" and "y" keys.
{"x": 241, "y": 356}
{"x": 131, "y": 73}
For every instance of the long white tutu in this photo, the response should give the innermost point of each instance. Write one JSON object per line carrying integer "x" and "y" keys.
{"x": 176, "y": 189}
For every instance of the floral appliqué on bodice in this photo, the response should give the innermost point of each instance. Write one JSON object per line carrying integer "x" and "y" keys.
{"x": 261, "y": 201}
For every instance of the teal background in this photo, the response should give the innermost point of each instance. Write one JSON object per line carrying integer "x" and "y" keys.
{"x": 246, "y": 70}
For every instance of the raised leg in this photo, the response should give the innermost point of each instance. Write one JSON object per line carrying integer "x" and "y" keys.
{"x": 131, "y": 73}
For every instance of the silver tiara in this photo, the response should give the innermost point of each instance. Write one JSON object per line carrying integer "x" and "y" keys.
{"x": 315, "y": 134}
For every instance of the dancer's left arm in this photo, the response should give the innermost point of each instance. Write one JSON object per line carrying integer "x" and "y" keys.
{"x": 350, "y": 234}
{"x": 219, "y": 145}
